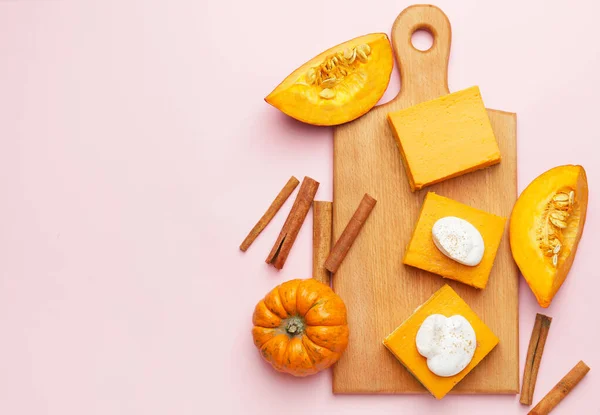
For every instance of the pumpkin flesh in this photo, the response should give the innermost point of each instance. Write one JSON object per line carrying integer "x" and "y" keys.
{"x": 350, "y": 93}
{"x": 545, "y": 228}
{"x": 300, "y": 327}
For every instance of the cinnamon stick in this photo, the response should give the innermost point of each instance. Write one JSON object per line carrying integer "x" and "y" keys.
{"x": 561, "y": 390}
{"x": 293, "y": 223}
{"x": 283, "y": 195}
{"x": 342, "y": 246}
{"x": 322, "y": 218}
{"x": 534, "y": 357}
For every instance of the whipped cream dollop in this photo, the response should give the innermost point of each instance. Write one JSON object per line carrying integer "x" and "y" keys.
{"x": 458, "y": 240}
{"x": 448, "y": 343}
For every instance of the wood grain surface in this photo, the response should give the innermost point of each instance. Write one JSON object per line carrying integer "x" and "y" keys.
{"x": 379, "y": 291}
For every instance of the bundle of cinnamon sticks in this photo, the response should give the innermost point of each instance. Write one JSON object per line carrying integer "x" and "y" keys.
{"x": 325, "y": 259}
{"x": 532, "y": 366}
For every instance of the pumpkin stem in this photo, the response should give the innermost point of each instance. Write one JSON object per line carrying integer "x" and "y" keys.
{"x": 294, "y": 326}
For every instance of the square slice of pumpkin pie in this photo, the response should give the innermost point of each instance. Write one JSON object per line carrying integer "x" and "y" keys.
{"x": 444, "y": 138}
{"x": 455, "y": 241}
{"x": 441, "y": 342}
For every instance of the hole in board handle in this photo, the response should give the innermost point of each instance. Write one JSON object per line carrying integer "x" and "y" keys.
{"x": 422, "y": 39}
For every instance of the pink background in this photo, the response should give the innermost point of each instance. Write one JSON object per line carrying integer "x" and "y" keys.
{"x": 136, "y": 152}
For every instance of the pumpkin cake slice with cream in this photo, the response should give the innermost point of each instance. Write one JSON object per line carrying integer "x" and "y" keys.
{"x": 441, "y": 342}
{"x": 455, "y": 241}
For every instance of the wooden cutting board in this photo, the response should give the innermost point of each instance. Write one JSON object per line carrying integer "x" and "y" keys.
{"x": 379, "y": 291}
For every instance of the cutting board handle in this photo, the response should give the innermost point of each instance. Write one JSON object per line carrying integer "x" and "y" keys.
{"x": 422, "y": 72}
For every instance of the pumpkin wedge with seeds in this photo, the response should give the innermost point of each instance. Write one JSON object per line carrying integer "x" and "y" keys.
{"x": 546, "y": 225}
{"x": 340, "y": 84}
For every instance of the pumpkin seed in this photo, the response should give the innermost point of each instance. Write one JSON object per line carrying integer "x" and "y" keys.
{"x": 558, "y": 223}
{"x": 571, "y": 198}
{"x": 556, "y": 249}
{"x": 364, "y": 48}
{"x": 561, "y": 197}
{"x": 555, "y": 260}
{"x": 361, "y": 56}
{"x": 327, "y": 93}
{"x": 329, "y": 82}
{"x": 311, "y": 76}
{"x": 559, "y": 214}
{"x": 350, "y": 60}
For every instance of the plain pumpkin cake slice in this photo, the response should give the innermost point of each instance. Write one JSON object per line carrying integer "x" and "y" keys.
{"x": 444, "y": 138}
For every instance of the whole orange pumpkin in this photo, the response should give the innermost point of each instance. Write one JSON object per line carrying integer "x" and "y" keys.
{"x": 300, "y": 327}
